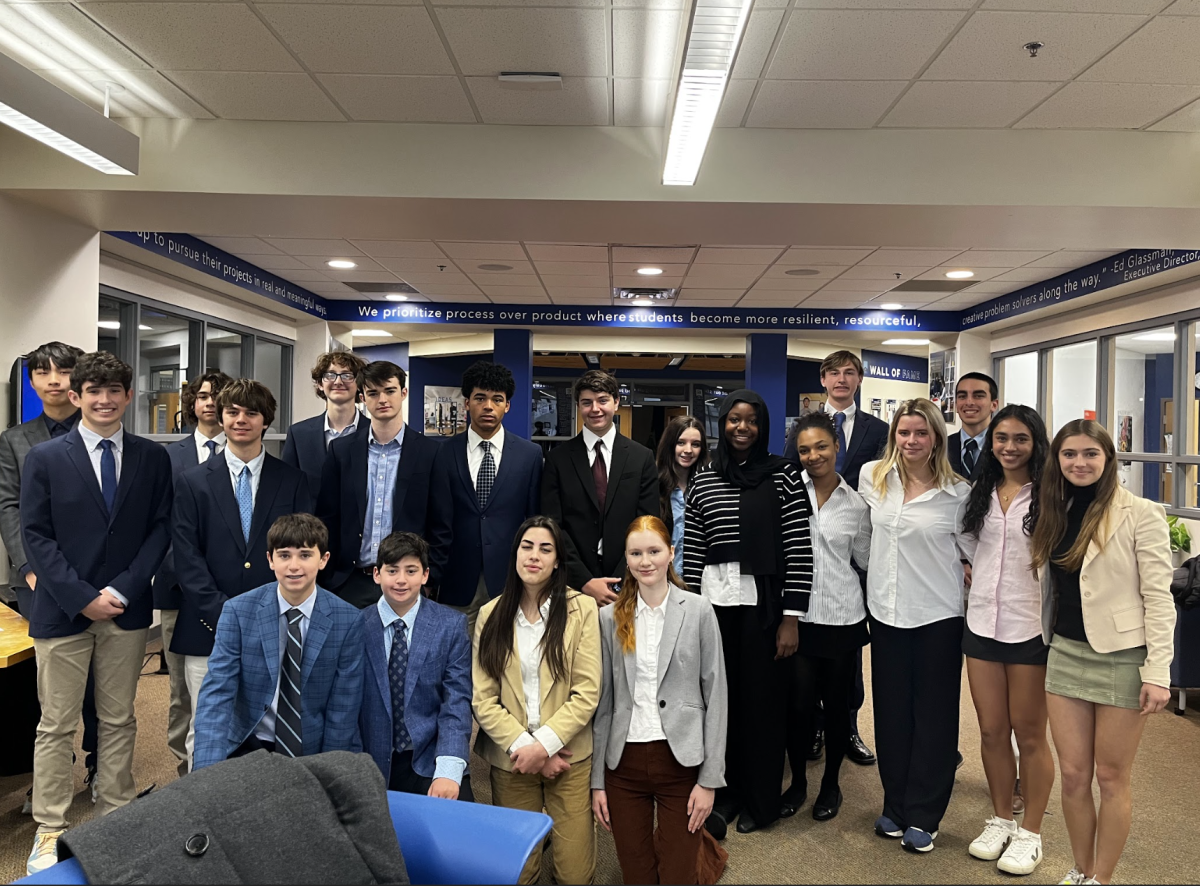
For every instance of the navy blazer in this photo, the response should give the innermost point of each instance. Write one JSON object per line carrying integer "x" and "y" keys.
{"x": 437, "y": 690}
{"x": 304, "y": 449}
{"x": 212, "y": 559}
{"x": 867, "y": 443}
{"x": 954, "y": 453}
{"x": 464, "y": 539}
{"x": 76, "y": 548}
{"x": 167, "y": 593}
{"x": 342, "y": 503}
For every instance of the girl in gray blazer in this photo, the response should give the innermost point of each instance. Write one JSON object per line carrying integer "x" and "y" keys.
{"x": 659, "y": 732}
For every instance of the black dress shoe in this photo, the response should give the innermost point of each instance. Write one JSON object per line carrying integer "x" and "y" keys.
{"x": 792, "y": 800}
{"x": 858, "y": 752}
{"x": 746, "y": 824}
{"x": 716, "y": 825}
{"x": 827, "y": 805}
{"x": 818, "y": 746}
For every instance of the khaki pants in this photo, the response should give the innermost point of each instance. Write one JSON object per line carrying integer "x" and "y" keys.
{"x": 471, "y": 610}
{"x": 179, "y": 714}
{"x": 195, "y": 669}
{"x": 566, "y": 799}
{"x": 115, "y": 656}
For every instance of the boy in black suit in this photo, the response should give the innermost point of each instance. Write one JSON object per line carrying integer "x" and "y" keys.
{"x": 95, "y": 518}
{"x": 595, "y": 485}
{"x": 335, "y": 378}
{"x": 976, "y": 399}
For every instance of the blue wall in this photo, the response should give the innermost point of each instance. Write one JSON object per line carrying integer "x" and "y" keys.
{"x": 1160, "y": 371}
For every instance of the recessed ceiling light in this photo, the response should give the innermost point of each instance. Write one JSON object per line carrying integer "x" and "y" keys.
{"x": 396, "y": 296}
{"x": 891, "y": 306}
{"x": 109, "y": 324}
{"x": 370, "y": 333}
{"x": 642, "y": 303}
{"x": 342, "y": 264}
{"x": 906, "y": 341}
{"x": 649, "y": 272}
{"x": 1155, "y": 336}
{"x": 960, "y": 275}
{"x": 144, "y": 328}
{"x": 495, "y": 267}
{"x": 802, "y": 272}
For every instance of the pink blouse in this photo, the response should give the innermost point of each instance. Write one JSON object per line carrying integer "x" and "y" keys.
{"x": 1005, "y": 600}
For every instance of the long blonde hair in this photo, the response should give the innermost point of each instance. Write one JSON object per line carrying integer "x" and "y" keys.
{"x": 943, "y": 474}
{"x": 625, "y": 608}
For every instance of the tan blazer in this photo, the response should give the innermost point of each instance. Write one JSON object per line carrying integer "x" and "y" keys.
{"x": 1125, "y": 587}
{"x": 567, "y": 706}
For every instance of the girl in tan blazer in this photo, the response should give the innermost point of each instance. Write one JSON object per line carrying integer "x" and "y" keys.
{"x": 1103, "y": 557}
{"x": 536, "y": 669}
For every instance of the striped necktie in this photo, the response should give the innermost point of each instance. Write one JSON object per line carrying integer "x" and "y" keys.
{"x": 289, "y": 731}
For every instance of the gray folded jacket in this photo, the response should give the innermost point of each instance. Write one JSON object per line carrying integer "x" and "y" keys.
{"x": 261, "y": 818}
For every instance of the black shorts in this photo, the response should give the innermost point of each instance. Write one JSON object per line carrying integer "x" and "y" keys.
{"x": 1027, "y": 652}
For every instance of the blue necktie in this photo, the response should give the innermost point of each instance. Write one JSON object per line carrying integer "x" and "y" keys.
{"x": 245, "y": 500}
{"x": 108, "y": 474}
{"x": 397, "y": 673}
{"x": 970, "y": 456}
{"x": 212, "y": 448}
{"x": 839, "y": 419}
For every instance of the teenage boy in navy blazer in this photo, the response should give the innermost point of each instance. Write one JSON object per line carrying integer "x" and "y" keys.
{"x": 486, "y": 483}
{"x": 335, "y": 378}
{"x": 95, "y": 519}
{"x": 199, "y": 407}
{"x": 976, "y": 399}
{"x": 373, "y": 484}
{"x": 594, "y": 503}
{"x": 223, "y": 511}
{"x": 415, "y": 718}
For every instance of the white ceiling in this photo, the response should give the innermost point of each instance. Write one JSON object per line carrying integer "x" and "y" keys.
{"x": 707, "y": 276}
{"x": 822, "y": 64}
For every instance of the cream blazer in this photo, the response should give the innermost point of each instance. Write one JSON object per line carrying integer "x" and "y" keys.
{"x": 1125, "y": 586}
{"x": 567, "y": 706}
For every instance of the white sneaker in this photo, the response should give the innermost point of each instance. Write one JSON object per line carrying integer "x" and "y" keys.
{"x": 1089, "y": 881}
{"x": 1073, "y": 878}
{"x": 45, "y": 852}
{"x": 1023, "y": 854}
{"x": 990, "y": 844}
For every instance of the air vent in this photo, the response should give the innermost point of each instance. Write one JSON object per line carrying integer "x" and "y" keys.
{"x": 376, "y": 288}
{"x": 531, "y": 80}
{"x": 933, "y": 285}
{"x": 495, "y": 267}
{"x": 625, "y": 295}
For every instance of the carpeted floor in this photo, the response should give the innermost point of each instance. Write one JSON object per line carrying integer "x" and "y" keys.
{"x": 1163, "y": 845}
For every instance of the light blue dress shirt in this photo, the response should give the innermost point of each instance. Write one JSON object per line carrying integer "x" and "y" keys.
{"x": 677, "y": 509}
{"x": 445, "y": 767}
{"x": 383, "y": 463}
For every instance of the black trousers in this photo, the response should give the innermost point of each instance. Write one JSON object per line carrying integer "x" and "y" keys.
{"x": 916, "y": 678}
{"x": 855, "y": 696}
{"x": 757, "y": 716}
{"x": 359, "y": 589}
{"x": 829, "y": 681}
{"x": 407, "y": 781}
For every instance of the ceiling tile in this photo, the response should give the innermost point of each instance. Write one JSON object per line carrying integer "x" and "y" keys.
{"x": 484, "y": 250}
{"x": 1000, "y": 258}
{"x": 707, "y": 302}
{"x": 632, "y": 281}
{"x": 630, "y": 268}
{"x": 724, "y": 276}
{"x": 58, "y": 36}
{"x": 658, "y": 256}
{"x": 243, "y": 245}
{"x": 583, "y": 101}
{"x": 516, "y": 298}
{"x": 579, "y": 292}
{"x": 1181, "y": 7}
{"x": 399, "y": 248}
{"x": 1030, "y": 275}
{"x": 571, "y": 281}
{"x": 165, "y": 34}
{"x": 1143, "y": 7}
{"x": 359, "y": 275}
{"x": 147, "y": 94}
{"x": 623, "y": 4}
{"x": 757, "y": 41}
{"x": 598, "y": 4}
{"x": 280, "y": 263}
{"x": 778, "y": 278}
{"x": 911, "y": 257}
{"x": 400, "y": 99}
{"x": 473, "y": 267}
{"x": 1164, "y": 51}
{"x": 787, "y": 284}
{"x": 980, "y": 105}
{"x": 989, "y": 46}
{"x": 448, "y": 289}
{"x": 722, "y": 255}
{"x": 802, "y": 256}
{"x": 640, "y": 102}
{"x": 1108, "y": 106}
{"x": 341, "y": 39}
{"x": 644, "y": 42}
{"x": 991, "y": 289}
{"x": 770, "y": 299}
{"x": 822, "y": 104}
{"x": 304, "y": 277}
{"x": 567, "y": 252}
{"x": 487, "y": 41}
{"x": 604, "y": 298}
{"x": 1184, "y": 120}
{"x": 490, "y": 281}
{"x": 255, "y": 96}
{"x": 868, "y": 287}
{"x": 1072, "y": 258}
{"x": 887, "y": 44}
{"x": 883, "y": 273}
{"x": 443, "y": 278}
{"x": 981, "y": 273}
{"x": 729, "y": 295}
{"x": 737, "y": 99}
{"x": 328, "y": 289}
{"x": 883, "y": 4}
{"x": 572, "y": 268}
{"x": 329, "y": 248}
{"x": 419, "y": 266}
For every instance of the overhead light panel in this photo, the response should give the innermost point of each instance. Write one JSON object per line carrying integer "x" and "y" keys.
{"x": 891, "y": 306}
{"x": 42, "y": 111}
{"x": 341, "y": 264}
{"x": 677, "y": 359}
{"x": 370, "y": 333}
{"x": 649, "y": 272}
{"x": 396, "y": 296}
{"x": 714, "y": 34}
{"x": 906, "y": 341}
{"x": 960, "y": 275}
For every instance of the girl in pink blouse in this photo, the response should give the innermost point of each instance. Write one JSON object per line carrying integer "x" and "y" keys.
{"x": 1006, "y": 656}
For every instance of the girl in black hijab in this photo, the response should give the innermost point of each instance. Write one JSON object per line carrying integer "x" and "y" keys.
{"x": 747, "y": 549}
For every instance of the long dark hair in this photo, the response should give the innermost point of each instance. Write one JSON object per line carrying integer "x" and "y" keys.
{"x": 665, "y": 459}
{"x": 991, "y": 472}
{"x": 496, "y": 639}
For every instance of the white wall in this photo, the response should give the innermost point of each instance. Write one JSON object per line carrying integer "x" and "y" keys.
{"x": 1072, "y": 383}
{"x": 886, "y": 389}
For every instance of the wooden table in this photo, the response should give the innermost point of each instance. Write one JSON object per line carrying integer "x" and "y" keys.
{"x": 15, "y": 645}
{"x": 18, "y": 689}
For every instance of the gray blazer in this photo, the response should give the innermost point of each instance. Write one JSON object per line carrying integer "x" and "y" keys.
{"x": 693, "y": 699}
{"x": 15, "y": 444}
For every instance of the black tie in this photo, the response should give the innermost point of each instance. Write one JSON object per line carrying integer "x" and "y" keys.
{"x": 969, "y": 456}
{"x": 288, "y": 730}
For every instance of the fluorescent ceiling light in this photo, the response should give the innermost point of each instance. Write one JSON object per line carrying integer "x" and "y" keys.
{"x": 42, "y": 111}
{"x": 649, "y": 272}
{"x": 1155, "y": 336}
{"x": 891, "y": 306}
{"x": 396, "y": 296}
{"x": 109, "y": 324}
{"x": 643, "y": 303}
{"x": 906, "y": 341}
{"x": 342, "y": 264}
{"x": 960, "y": 275}
{"x": 714, "y": 34}
{"x": 144, "y": 328}
{"x": 370, "y": 333}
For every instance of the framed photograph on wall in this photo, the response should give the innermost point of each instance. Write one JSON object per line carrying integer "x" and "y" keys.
{"x": 445, "y": 412}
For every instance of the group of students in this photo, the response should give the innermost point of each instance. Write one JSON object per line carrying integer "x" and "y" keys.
{"x": 691, "y": 623}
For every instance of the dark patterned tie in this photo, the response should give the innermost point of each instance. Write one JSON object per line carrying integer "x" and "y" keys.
{"x": 289, "y": 732}
{"x": 397, "y": 673}
{"x": 969, "y": 458}
{"x": 108, "y": 474}
{"x": 212, "y": 448}
{"x": 600, "y": 475}
{"x": 487, "y": 475}
{"x": 839, "y": 419}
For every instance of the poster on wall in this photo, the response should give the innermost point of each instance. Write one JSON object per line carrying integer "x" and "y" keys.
{"x": 943, "y": 375}
{"x": 811, "y": 402}
{"x": 890, "y": 412}
{"x": 1124, "y": 432}
{"x": 445, "y": 414}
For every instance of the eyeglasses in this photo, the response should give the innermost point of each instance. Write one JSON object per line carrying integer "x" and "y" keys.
{"x": 334, "y": 376}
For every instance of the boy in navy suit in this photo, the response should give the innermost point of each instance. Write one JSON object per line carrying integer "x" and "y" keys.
{"x": 285, "y": 674}
{"x": 335, "y": 378}
{"x": 95, "y": 517}
{"x": 416, "y": 706}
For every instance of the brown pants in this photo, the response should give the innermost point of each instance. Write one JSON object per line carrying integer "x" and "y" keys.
{"x": 648, "y": 774}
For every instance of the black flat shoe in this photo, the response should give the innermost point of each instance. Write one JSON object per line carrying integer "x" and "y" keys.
{"x": 716, "y": 825}
{"x": 818, "y": 746}
{"x": 827, "y": 805}
{"x": 746, "y": 824}
{"x": 858, "y": 752}
{"x": 792, "y": 801}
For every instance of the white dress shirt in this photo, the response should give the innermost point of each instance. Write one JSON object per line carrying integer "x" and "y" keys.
{"x": 255, "y": 465}
{"x": 916, "y": 575}
{"x": 723, "y": 584}
{"x": 1005, "y": 600}
{"x": 91, "y": 440}
{"x": 589, "y": 443}
{"x": 202, "y": 451}
{"x": 266, "y": 726}
{"x": 528, "y": 639}
{"x": 646, "y": 722}
{"x": 848, "y": 424}
{"x": 841, "y": 531}
{"x": 475, "y": 451}
{"x": 332, "y": 433}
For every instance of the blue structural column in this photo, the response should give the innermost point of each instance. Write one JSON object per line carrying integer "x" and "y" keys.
{"x": 514, "y": 349}
{"x": 766, "y": 373}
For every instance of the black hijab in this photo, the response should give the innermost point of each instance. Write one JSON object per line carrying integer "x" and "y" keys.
{"x": 759, "y": 464}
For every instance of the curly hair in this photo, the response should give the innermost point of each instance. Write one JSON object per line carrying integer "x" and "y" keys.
{"x": 101, "y": 368}
{"x": 483, "y": 375}
{"x": 349, "y": 359}
{"x": 187, "y": 401}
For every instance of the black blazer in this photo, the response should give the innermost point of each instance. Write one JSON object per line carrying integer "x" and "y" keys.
{"x": 342, "y": 502}
{"x": 866, "y": 443}
{"x": 569, "y": 496}
{"x": 213, "y": 561}
{"x": 465, "y": 540}
{"x": 954, "y": 453}
{"x": 167, "y": 594}
{"x": 304, "y": 449}
{"x": 76, "y": 548}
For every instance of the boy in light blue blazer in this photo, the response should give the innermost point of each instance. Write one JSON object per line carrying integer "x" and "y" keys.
{"x": 416, "y": 697}
{"x": 286, "y": 668}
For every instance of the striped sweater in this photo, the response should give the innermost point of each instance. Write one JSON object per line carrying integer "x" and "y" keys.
{"x": 711, "y": 531}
